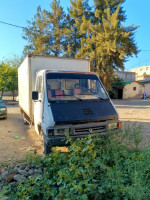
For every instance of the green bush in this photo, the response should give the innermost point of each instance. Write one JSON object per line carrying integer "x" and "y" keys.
{"x": 94, "y": 168}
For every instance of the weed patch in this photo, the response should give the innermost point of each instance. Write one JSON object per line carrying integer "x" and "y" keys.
{"x": 95, "y": 168}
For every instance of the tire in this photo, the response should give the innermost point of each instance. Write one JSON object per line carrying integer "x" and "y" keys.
{"x": 25, "y": 120}
{"x": 45, "y": 148}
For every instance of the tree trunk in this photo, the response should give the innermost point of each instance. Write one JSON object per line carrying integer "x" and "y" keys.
{"x": 2, "y": 92}
{"x": 13, "y": 92}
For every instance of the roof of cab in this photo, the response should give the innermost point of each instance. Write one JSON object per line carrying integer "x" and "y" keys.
{"x": 69, "y": 72}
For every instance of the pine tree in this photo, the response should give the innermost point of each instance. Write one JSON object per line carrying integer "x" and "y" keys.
{"x": 56, "y": 22}
{"x": 108, "y": 44}
{"x": 36, "y": 35}
{"x": 95, "y": 33}
{"x": 73, "y": 34}
{"x": 102, "y": 5}
{"x": 45, "y": 32}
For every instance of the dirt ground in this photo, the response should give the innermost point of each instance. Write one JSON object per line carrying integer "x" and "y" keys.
{"x": 136, "y": 111}
{"x": 14, "y": 149}
{"x": 11, "y": 149}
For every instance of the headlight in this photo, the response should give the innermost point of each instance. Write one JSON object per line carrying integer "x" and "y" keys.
{"x": 112, "y": 126}
{"x": 3, "y": 109}
{"x": 50, "y": 132}
{"x": 62, "y": 131}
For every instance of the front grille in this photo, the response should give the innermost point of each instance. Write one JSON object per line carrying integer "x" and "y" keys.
{"x": 87, "y": 130}
{"x": 2, "y": 113}
{"x": 87, "y": 111}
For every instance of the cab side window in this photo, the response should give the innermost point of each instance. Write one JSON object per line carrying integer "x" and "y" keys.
{"x": 39, "y": 86}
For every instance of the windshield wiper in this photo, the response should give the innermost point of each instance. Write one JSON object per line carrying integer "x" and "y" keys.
{"x": 78, "y": 98}
{"x": 64, "y": 95}
{"x": 101, "y": 98}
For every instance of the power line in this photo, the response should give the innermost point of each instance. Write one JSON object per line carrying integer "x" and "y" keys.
{"x": 12, "y": 25}
{"x": 25, "y": 28}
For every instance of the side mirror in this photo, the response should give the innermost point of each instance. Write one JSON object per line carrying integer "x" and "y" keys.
{"x": 35, "y": 95}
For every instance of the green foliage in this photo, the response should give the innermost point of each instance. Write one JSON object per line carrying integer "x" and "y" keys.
{"x": 116, "y": 83}
{"x": 96, "y": 33}
{"x": 37, "y": 35}
{"x": 9, "y": 75}
{"x": 55, "y": 21}
{"x": 45, "y": 32}
{"x": 78, "y": 10}
{"x": 108, "y": 167}
{"x": 108, "y": 43}
{"x": 4, "y": 73}
{"x": 103, "y": 4}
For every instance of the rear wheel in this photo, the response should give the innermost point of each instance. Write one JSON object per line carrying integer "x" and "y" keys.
{"x": 26, "y": 122}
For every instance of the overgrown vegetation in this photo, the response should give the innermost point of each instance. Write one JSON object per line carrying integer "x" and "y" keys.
{"x": 112, "y": 167}
{"x": 116, "y": 84}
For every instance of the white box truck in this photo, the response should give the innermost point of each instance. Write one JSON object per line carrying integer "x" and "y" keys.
{"x": 61, "y": 95}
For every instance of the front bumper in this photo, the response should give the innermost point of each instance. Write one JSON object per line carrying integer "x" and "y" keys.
{"x": 78, "y": 131}
{"x": 3, "y": 114}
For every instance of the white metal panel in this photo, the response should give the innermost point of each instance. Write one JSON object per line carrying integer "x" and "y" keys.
{"x": 66, "y": 64}
{"x": 147, "y": 89}
{"x": 33, "y": 64}
{"x": 23, "y": 86}
{"x": 52, "y": 63}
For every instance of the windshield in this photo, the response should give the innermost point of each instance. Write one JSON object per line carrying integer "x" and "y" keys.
{"x": 67, "y": 86}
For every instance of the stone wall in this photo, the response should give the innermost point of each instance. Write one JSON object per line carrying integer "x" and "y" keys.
{"x": 9, "y": 93}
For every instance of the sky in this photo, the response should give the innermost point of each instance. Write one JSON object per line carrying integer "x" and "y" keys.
{"x": 17, "y": 12}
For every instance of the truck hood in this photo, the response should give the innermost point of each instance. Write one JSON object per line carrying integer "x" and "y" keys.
{"x": 83, "y": 111}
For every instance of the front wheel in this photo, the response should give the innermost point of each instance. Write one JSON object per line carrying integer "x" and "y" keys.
{"x": 45, "y": 148}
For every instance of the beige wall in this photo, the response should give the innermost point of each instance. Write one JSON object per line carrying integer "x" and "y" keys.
{"x": 9, "y": 93}
{"x": 126, "y": 76}
{"x": 130, "y": 93}
{"x": 147, "y": 89}
{"x": 141, "y": 72}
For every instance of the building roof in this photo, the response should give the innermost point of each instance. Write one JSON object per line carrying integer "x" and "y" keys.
{"x": 145, "y": 81}
{"x": 128, "y": 82}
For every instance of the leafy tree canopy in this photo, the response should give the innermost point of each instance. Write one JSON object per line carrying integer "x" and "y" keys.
{"x": 9, "y": 75}
{"x": 96, "y": 33}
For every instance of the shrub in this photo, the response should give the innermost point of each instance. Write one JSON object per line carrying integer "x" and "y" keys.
{"x": 94, "y": 168}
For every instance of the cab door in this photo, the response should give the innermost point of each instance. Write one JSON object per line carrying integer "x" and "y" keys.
{"x": 38, "y": 105}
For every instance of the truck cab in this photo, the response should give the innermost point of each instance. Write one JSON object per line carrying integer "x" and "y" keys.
{"x": 70, "y": 102}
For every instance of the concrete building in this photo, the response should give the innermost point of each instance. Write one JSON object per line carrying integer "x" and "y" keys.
{"x": 129, "y": 90}
{"x": 133, "y": 90}
{"x": 141, "y": 73}
{"x": 126, "y": 76}
{"x": 146, "y": 84}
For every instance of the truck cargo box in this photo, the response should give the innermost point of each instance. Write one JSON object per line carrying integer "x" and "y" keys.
{"x": 32, "y": 64}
